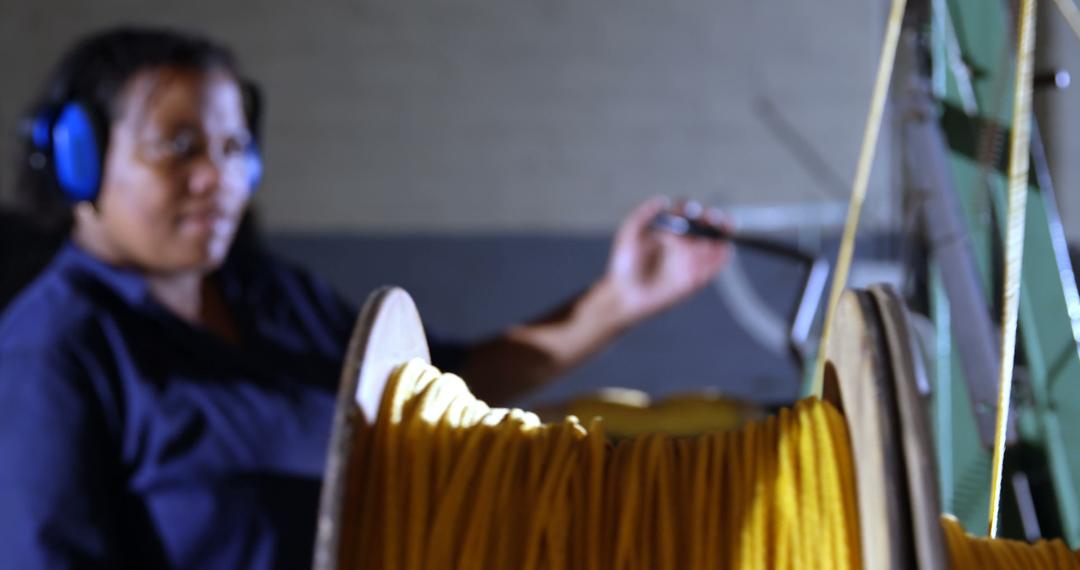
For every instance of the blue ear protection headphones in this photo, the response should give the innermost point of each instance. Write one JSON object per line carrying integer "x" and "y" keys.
{"x": 74, "y": 138}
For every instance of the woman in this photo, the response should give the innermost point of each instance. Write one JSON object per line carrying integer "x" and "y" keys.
{"x": 165, "y": 395}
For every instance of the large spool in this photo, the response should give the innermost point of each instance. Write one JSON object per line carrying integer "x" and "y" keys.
{"x": 870, "y": 376}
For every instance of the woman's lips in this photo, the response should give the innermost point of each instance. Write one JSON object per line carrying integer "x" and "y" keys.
{"x": 205, "y": 221}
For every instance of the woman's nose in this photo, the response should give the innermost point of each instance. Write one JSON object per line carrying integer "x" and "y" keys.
{"x": 205, "y": 176}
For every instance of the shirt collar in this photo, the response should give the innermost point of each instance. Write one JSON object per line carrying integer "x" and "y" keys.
{"x": 129, "y": 284}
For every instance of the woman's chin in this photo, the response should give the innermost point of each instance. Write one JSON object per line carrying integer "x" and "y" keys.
{"x": 205, "y": 252}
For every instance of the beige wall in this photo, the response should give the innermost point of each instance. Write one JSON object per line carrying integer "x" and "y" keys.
{"x": 483, "y": 115}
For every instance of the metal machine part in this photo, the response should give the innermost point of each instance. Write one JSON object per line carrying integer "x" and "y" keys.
{"x": 949, "y": 243}
{"x": 968, "y": 46}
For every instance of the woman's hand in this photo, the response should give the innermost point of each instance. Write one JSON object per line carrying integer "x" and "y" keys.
{"x": 651, "y": 270}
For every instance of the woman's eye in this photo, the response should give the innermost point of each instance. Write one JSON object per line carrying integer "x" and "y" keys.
{"x": 234, "y": 146}
{"x": 182, "y": 144}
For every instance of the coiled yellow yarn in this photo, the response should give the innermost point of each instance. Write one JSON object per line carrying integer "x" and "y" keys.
{"x": 447, "y": 482}
{"x": 981, "y": 553}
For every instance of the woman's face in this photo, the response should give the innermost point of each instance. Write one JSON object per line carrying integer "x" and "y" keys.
{"x": 176, "y": 177}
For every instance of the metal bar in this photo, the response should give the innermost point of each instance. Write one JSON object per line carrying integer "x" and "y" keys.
{"x": 942, "y": 391}
{"x": 1049, "y": 306}
{"x": 1025, "y": 503}
{"x": 925, "y": 159}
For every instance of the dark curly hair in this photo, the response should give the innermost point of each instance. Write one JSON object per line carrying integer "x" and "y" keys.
{"x": 94, "y": 71}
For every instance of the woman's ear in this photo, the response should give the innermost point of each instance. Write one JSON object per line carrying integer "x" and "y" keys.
{"x": 88, "y": 230}
{"x": 85, "y": 213}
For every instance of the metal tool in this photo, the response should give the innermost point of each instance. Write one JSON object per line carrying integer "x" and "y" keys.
{"x": 816, "y": 275}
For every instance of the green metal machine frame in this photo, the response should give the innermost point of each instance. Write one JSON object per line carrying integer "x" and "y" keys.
{"x": 970, "y": 51}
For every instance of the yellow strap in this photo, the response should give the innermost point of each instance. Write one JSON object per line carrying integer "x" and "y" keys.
{"x": 1019, "y": 144}
{"x": 862, "y": 178}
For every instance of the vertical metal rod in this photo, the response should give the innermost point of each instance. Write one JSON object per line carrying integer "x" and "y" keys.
{"x": 949, "y": 240}
{"x": 1025, "y": 503}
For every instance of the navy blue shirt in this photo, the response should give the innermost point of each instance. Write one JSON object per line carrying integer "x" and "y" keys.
{"x": 131, "y": 438}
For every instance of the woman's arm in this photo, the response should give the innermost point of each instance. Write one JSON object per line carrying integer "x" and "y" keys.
{"x": 648, "y": 271}
{"x": 57, "y": 476}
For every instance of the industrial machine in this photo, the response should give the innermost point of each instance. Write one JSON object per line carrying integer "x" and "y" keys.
{"x": 920, "y": 401}
{"x": 954, "y": 108}
{"x": 870, "y": 378}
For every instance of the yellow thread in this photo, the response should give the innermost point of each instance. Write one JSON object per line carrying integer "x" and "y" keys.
{"x": 862, "y": 179}
{"x": 981, "y": 553}
{"x": 475, "y": 487}
{"x": 467, "y": 486}
{"x": 1019, "y": 143}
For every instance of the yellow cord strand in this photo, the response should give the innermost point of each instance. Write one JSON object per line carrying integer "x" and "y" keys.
{"x": 1019, "y": 144}
{"x": 862, "y": 180}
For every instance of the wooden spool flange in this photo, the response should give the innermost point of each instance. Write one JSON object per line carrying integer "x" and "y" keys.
{"x": 870, "y": 376}
{"x": 387, "y": 334}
